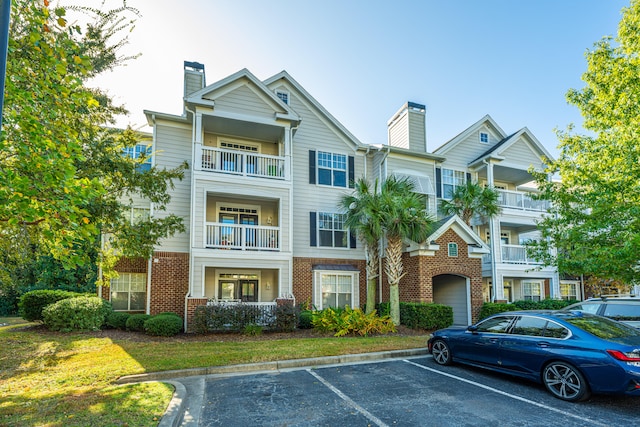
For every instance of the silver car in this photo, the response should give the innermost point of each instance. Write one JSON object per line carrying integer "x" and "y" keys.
{"x": 622, "y": 309}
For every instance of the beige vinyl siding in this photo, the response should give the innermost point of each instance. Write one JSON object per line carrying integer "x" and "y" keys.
{"x": 315, "y": 133}
{"x": 244, "y": 101}
{"x": 193, "y": 82}
{"x": 466, "y": 151}
{"x": 417, "y": 132}
{"x": 399, "y": 132}
{"x": 265, "y": 147}
{"x": 521, "y": 155}
{"x": 172, "y": 147}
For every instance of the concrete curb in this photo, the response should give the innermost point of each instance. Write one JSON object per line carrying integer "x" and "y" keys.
{"x": 173, "y": 414}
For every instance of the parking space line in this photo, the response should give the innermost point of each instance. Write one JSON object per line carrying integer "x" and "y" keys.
{"x": 346, "y": 398}
{"x": 495, "y": 390}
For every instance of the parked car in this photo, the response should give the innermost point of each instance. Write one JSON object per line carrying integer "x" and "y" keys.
{"x": 622, "y": 309}
{"x": 572, "y": 353}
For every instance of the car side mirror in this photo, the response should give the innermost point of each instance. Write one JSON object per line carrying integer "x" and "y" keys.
{"x": 473, "y": 329}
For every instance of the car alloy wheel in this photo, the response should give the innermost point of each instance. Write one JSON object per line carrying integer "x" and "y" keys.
{"x": 441, "y": 353}
{"x": 565, "y": 382}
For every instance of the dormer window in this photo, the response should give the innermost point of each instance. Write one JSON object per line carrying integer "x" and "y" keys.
{"x": 283, "y": 95}
{"x": 484, "y": 137}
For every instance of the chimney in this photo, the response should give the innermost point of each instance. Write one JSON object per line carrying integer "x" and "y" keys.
{"x": 406, "y": 129}
{"x": 194, "y": 79}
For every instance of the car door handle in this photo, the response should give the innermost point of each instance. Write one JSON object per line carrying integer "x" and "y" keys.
{"x": 543, "y": 344}
{"x": 493, "y": 340}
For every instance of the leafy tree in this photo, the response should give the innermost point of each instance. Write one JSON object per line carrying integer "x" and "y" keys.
{"x": 65, "y": 180}
{"x": 595, "y": 219}
{"x": 363, "y": 218}
{"x": 471, "y": 199}
{"x": 402, "y": 216}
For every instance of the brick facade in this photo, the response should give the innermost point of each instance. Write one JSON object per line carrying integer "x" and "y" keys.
{"x": 303, "y": 276}
{"x": 126, "y": 265}
{"x": 169, "y": 282}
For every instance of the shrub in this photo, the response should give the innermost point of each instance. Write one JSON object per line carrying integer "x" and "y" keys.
{"x": 76, "y": 314}
{"x": 425, "y": 315}
{"x": 305, "y": 319}
{"x": 491, "y": 308}
{"x": 252, "y": 330}
{"x": 32, "y": 303}
{"x": 545, "y": 304}
{"x": 348, "y": 321}
{"x": 287, "y": 317}
{"x": 117, "y": 320}
{"x": 226, "y": 317}
{"x": 135, "y": 322}
{"x": 169, "y": 313}
{"x": 163, "y": 325}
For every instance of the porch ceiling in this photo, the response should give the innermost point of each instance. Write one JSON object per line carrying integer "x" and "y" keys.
{"x": 240, "y": 128}
{"x": 507, "y": 174}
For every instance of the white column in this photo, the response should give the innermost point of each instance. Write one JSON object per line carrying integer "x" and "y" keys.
{"x": 287, "y": 154}
{"x": 197, "y": 142}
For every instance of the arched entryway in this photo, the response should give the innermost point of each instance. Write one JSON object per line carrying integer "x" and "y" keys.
{"x": 452, "y": 290}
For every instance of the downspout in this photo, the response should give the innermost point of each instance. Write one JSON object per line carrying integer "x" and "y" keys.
{"x": 494, "y": 267}
{"x": 191, "y": 212}
{"x": 150, "y": 260}
{"x": 290, "y": 167}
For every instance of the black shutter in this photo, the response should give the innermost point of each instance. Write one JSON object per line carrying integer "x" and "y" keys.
{"x": 438, "y": 182}
{"x": 468, "y": 177}
{"x": 352, "y": 240}
{"x": 313, "y": 236}
{"x": 352, "y": 172}
{"x": 312, "y": 167}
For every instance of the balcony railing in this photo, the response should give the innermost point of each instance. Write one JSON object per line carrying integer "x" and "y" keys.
{"x": 521, "y": 200}
{"x": 513, "y": 254}
{"x": 242, "y": 237}
{"x": 242, "y": 163}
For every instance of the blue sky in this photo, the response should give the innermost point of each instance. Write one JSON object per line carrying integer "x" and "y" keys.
{"x": 362, "y": 59}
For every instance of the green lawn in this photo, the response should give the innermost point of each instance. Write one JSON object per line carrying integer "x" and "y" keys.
{"x": 54, "y": 379}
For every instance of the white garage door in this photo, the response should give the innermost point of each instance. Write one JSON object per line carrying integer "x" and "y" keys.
{"x": 452, "y": 291}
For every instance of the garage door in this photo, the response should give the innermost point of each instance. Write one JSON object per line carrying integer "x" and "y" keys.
{"x": 452, "y": 291}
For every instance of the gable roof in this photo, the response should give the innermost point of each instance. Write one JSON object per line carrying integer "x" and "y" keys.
{"x": 204, "y": 96}
{"x": 496, "y": 151}
{"x": 477, "y": 247}
{"x": 283, "y": 75}
{"x": 487, "y": 120}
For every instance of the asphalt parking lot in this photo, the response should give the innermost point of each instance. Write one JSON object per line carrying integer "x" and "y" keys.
{"x": 397, "y": 392}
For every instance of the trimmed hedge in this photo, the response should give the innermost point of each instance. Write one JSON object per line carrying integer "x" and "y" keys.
{"x": 491, "y": 308}
{"x": 32, "y": 303}
{"x": 163, "y": 325}
{"x": 417, "y": 315}
{"x": 305, "y": 318}
{"x": 83, "y": 313}
{"x": 135, "y": 322}
{"x": 117, "y": 320}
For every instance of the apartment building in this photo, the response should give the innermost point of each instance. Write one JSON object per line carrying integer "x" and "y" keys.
{"x": 268, "y": 166}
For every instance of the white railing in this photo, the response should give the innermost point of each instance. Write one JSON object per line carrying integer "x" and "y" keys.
{"x": 513, "y": 254}
{"x": 521, "y": 200}
{"x": 242, "y": 237}
{"x": 242, "y": 163}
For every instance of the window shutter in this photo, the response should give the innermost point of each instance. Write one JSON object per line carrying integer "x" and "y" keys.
{"x": 312, "y": 167}
{"x": 468, "y": 177}
{"x": 313, "y": 236}
{"x": 439, "y": 182}
{"x": 352, "y": 240}
{"x": 352, "y": 172}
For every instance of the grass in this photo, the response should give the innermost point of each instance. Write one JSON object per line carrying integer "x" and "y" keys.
{"x": 53, "y": 379}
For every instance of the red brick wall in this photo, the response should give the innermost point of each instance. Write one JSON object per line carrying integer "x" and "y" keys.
{"x": 169, "y": 282}
{"x": 192, "y": 303}
{"x": 126, "y": 265}
{"x": 303, "y": 276}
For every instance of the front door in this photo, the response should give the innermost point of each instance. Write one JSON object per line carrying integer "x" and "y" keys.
{"x": 249, "y": 289}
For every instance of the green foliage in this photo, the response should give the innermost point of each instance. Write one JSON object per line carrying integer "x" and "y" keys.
{"x": 83, "y": 313}
{"x": 595, "y": 218}
{"x": 351, "y": 321}
{"x": 163, "y": 325}
{"x": 471, "y": 199}
{"x": 491, "y": 308}
{"x": 235, "y": 317}
{"x": 305, "y": 319}
{"x": 32, "y": 303}
{"x": 252, "y": 330}
{"x": 427, "y": 316}
{"x": 287, "y": 317}
{"x": 135, "y": 322}
{"x": 117, "y": 320}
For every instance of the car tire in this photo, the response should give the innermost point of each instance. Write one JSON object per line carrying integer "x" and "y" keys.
{"x": 441, "y": 352}
{"x": 565, "y": 382}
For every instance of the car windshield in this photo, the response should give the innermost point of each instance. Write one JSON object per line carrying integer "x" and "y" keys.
{"x": 603, "y": 327}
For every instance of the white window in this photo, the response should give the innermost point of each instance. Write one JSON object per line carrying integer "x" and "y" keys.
{"x": 331, "y": 231}
{"x": 283, "y": 95}
{"x": 139, "y": 215}
{"x": 484, "y": 137}
{"x": 568, "y": 291}
{"x": 451, "y": 179}
{"x": 336, "y": 289}
{"x": 128, "y": 292}
{"x": 332, "y": 169}
{"x": 453, "y": 249}
{"x": 532, "y": 291}
{"x": 140, "y": 151}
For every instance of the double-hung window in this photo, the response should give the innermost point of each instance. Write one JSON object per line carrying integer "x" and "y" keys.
{"x": 140, "y": 151}
{"x": 337, "y": 290}
{"x": 331, "y": 231}
{"x": 128, "y": 292}
{"x": 332, "y": 169}
{"x": 451, "y": 179}
{"x": 568, "y": 291}
{"x": 532, "y": 291}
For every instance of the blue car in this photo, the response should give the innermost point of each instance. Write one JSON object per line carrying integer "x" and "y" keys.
{"x": 572, "y": 353}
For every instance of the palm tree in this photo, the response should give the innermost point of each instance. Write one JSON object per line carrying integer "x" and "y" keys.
{"x": 362, "y": 218}
{"x": 471, "y": 199}
{"x": 402, "y": 216}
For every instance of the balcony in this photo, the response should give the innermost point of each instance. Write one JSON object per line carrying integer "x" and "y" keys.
{"x": 242, "y": 237}
{"x": 513, "y": 254}
{"x": 521, "y": 200}
{"x": 242, "y": 163}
